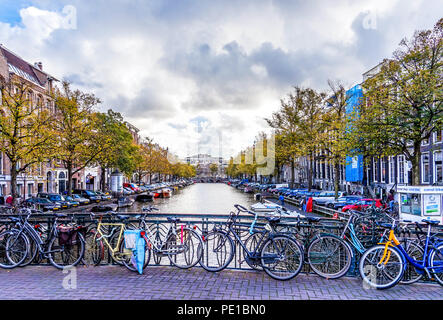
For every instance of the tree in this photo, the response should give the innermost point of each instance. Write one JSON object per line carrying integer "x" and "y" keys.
{"x": 26, "y": 137}
{"x": 78, "y": 142}
{"x": 213, "y": 168}
{"x": 403, "y": 101}
{"x": 110, "y": 127}
{"x": 334, "y": 140}
{"x": 298, "y": 126}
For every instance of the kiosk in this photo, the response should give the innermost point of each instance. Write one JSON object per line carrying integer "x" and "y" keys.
{"x": 420, "y": 202}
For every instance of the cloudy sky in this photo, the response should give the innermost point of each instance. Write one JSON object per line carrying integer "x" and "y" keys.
{"x": 193, "y": 73}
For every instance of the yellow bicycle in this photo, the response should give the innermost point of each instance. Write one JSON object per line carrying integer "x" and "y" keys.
{"x": 110, "y": 235}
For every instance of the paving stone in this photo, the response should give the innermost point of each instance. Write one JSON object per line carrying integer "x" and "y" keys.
{"x": 117, "y": 283}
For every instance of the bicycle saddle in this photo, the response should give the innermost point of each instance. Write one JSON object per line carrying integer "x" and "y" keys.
{"x": 273, "y": 219}
{"x": 313, "y": 219}
{"x": 173, "y": 219}
{"x": 122, "y": 217}
{"x": 15, "y": 219}
{"x": 432, "y": 222}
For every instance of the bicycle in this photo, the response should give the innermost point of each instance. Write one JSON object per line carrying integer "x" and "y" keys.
{"x": 330, "y": 256}
{"x": 280, "y": 256}
{"x": 382, "y": 266}
{"x": 63, "y": 247}
{"x": 98, "y": 240}
{"x": 182, "y": 245}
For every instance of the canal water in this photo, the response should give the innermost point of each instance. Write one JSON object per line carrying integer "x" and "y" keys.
{"x": 199, "y": 198}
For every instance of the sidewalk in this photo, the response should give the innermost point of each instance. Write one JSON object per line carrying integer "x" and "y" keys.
{"x": 117, "y": 283}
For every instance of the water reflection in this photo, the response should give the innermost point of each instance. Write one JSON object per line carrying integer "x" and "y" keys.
{"x": 203, "y": 198}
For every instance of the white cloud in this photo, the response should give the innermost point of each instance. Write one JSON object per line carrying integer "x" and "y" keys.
{"x": 163, "y": 63}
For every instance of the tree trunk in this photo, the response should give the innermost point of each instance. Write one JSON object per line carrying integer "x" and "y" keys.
{"x": 310, "y": 172}
{"x": 336, "y": 177}
{"x": 14, "y": 174}
{"x": 69, "y": 167}
{"x": 292, "y": 173}
{"x": 415, "y": 161}
{"x": 103, "y": 178}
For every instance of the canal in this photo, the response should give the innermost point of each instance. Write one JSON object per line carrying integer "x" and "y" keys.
{"x": 199, "y": 198}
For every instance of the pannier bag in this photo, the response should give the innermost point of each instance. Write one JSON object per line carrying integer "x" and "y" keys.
{"x": 135, "y": 242}
{"x": 68, "y": 235}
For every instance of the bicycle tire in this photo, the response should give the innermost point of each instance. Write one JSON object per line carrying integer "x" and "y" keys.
{"x": 410, "y": 275}
{"x": 32, "y": 253}
{"x": 220, "y": 244}
{"x": 128, "y": 263}
{"x": 185, "y": 238}
{"x": 371, "y": 273}
{"x": 95, "y": 249}
{"x": 434, "y": 256}
{"x": 289, "y": 267}
{"x": 62, "y": 262}
{"x": 14, "y": 247}
{"x": 329, "y": 256}
{"x": 251, "y": 243}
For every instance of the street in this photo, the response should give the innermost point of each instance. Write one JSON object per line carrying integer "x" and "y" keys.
{"x": 159, "y": 283}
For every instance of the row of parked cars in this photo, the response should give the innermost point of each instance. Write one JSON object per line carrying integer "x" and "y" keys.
{"x": 55, "y": 201}
{"x": 344, "y": 202}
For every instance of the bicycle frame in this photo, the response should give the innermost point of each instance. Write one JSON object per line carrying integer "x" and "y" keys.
{"x": 104, "y": 237}
{"x": 424, "y": 264}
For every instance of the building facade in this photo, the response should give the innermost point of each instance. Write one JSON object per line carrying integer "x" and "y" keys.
{"x": 48, "y": 176}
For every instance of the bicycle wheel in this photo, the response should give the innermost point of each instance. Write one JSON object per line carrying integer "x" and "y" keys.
{"x": 436, "y": 263}
{"x": 14, "y": 247}
{"x": 95, "y": 250}
{"x": 251, "y": 244}
{"x": 282, "y": 257}
{"x": 381, "y": 274}
{"x": 218, "y": 251}
{"x": 329, "y": 256}
{"x": 411, "y": 275}
{"x": 159, "y": 231}
{"x": 32, "y": 253}
{"x": 66, "y": 255}
{"x": 185, "y": 248}
{"x": 127, "y": 254}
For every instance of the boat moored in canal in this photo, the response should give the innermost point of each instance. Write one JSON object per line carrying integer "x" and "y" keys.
{"x": 145, "y": 197}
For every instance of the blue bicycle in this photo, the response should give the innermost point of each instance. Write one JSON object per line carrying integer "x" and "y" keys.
{"x": 382, "y": 266}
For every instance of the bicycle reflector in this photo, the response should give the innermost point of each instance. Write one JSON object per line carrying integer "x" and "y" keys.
{"x": 142, "y": 233}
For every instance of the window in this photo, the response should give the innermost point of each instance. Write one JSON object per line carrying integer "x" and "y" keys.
{"x": 391, "y": 170}
{"x": 401, "y": 169}
{"x": 375, "y": 169}
{"x": 425, "y": 142}
{"x": 438, "y": 166}
{"x": 1, "y": 162}
{"x": 383, "y": 170}
{"x": 438, "y": 136}
{"x": 425, "y": 167}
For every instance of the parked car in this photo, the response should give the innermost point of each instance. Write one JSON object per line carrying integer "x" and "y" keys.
{"x": 104, "y": 195}
{"x": 132, "y": 186}
{"x": 343, "y": 201}
{"x": 56, "y": 198}
{"x": 88, "y": 194}
{"x": 362, "y": 204}
{"x": 325, "y": 196}
{"x": 80, "y": 199}
{"x": 71, "y": 200}
{"x": 44, "y": 204}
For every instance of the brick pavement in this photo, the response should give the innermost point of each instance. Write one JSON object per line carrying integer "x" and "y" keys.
{"x": 117, "y": 283}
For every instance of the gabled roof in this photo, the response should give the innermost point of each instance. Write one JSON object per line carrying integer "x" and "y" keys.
{"x": 24, "y": 69}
